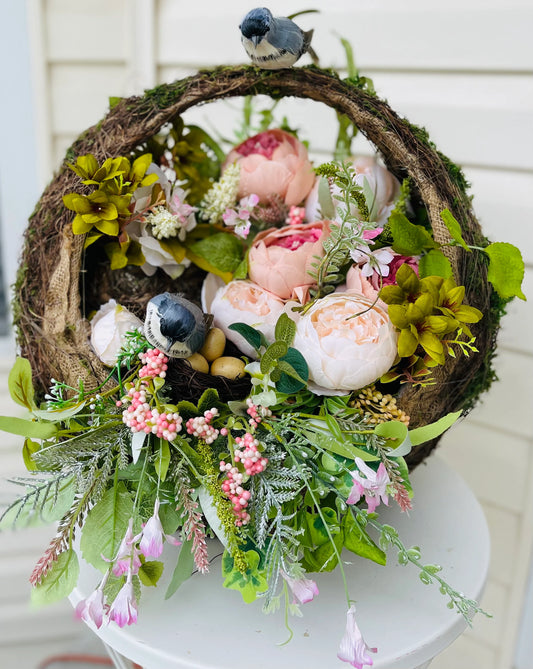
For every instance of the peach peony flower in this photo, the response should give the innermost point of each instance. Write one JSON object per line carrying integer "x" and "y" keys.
{"x": 246, "y": 302}
{"x": 358, "y": 283}
{"x": 384, "y": 185}
{"x": 280, "y": 259}
{"x": 273, "y": 162}
{"x": 346, "y": 351}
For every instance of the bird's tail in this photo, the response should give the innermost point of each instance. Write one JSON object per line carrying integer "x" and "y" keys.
{"x": 308, "y": 36}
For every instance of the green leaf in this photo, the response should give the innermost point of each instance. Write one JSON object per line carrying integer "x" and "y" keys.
{"x": 454, "y": 228}
{"x": 357, "y": 541}
{"x": 295, "y": 359}
{"x": 409, "y": 239}
{"x": 162, "y": 460}
{"x": 249, "y": 584}
{"x": 327, "y": 208}
{"x": 324, "y": 558}
{"x": 285, "y": 329}
{"x": 30, "y": 447}
{"x": 317, "y": 529}
{"x": 20, "y": 384}
{"x": 150, "y": 572}
{"x": 252, "y": 336}
{"x": 435, "y": 263}
{"x": 183, "y": 568}
{"x": 394, "y": 432}
{"x": 506, "y": 269}
{"x": 344, "y": 449}
{"x": 272, "y": 354}
{"x": 422, "y": 434}
{"x": 27, "y": 428}
{"x": 105, "y": 526}
{"x": 59, "y": 415}
{"x": 59, "y": 581}
{"x": 222, "y": 250}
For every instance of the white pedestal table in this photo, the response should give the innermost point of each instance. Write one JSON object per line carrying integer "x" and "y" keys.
{"x": 205, "y": 626}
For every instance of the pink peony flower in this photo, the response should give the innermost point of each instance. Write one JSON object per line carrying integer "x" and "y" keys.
{"x": 395, "y": 265}
{"x": 273, "y": 162}
{"x": 353, "y": 648}
{"x": 346, "y": 342}
{"x": 108, "y": 327}
{"x": 246, "y": 302}
{"x": 124, "y": 609}
{"x": 280, "y": 259}
{"x": 303, "y": 589}
{"x": 151, "y": 544}
{"x": 384, "y": 186}
{"x": 373, "y": 486}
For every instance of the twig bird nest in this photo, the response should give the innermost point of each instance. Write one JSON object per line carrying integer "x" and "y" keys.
{"x": 58, "y": 286}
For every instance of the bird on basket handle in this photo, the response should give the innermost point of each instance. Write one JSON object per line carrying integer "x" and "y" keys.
{"x": 174, "y": 325}
{"x": 273, "y": 43}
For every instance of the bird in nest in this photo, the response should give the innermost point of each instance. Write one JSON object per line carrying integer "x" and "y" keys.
{"x": 174, "y": 325}
{"x": 273, "y": 43}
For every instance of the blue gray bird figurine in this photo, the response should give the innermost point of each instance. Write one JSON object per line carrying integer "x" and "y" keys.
{"x": 174, "y": 325}
{"x": 273, "y": 43}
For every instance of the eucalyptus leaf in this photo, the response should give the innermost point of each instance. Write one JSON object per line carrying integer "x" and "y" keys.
{"x": 251, "y": 335}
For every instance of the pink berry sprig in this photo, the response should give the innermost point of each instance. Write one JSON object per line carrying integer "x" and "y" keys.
{"x": 239, "y": 497}
{"x": 250, "y": 456}
{"x": 155, "y": 363}
{"x": 232, "y": 485}
{"x": 140, "y": 417}
{"x": 256, "y": 413}
{"x": 296, "y": 216}
{"x": 201, "y": 428}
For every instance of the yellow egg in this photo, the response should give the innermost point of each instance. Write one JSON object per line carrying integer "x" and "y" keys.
{"x": 214, "y": 344}
{"x": 230, "y": 368}
{"x": 198, "y": 362}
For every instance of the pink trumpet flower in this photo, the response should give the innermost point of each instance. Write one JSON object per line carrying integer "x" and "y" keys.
{"x": 93, "y": 608}
{"x": 303, "y": 589}
{"x": 124, "y": 609}
{"x": 127, "y": 558}
{"x": 151, "y": 544}
{"x": 353, "y": 648}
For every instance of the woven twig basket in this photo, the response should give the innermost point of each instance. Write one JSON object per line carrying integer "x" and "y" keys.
{"x": 53, "y": 331}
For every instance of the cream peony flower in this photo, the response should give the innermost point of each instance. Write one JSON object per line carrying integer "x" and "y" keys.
{"x": 108, "y": 327}
{"x": 344, "y": 350}
{"x": 246, "y": 302}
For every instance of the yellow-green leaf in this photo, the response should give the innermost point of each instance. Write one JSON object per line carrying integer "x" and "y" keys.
{"x": 506, "y": 269}
{"x": 20, "y": 383}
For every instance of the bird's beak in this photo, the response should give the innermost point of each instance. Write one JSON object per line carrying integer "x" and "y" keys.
{"x": 256, "y": 39}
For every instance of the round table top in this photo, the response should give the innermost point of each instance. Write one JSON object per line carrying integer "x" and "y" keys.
{"x": 206, "y": 626}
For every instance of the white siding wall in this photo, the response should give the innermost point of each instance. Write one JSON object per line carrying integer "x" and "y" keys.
{"x": 462, "y": 69}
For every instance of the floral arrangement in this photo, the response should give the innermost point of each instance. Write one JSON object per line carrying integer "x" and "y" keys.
{"x": 325, "y": 293}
